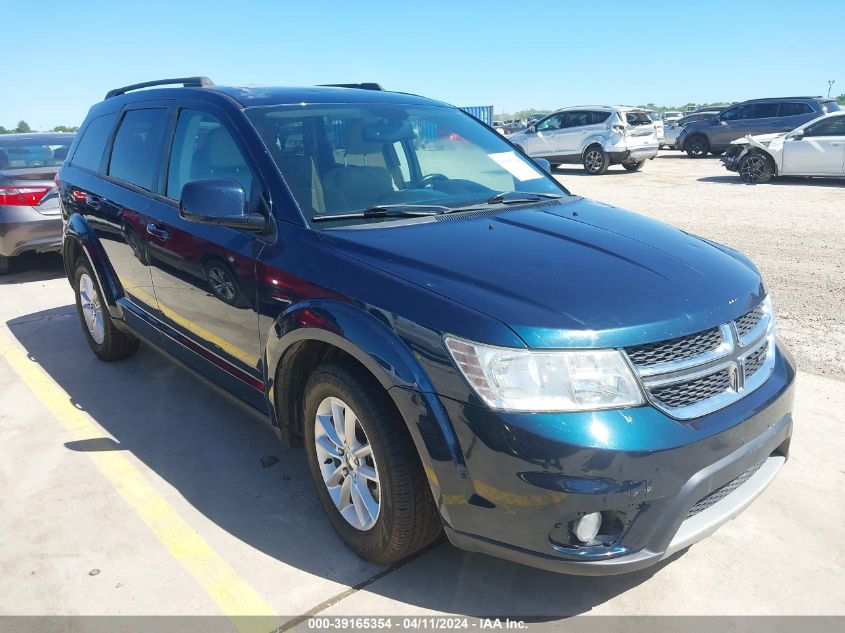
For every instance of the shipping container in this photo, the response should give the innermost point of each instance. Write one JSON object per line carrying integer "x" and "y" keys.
{"x": 482, "y": 113}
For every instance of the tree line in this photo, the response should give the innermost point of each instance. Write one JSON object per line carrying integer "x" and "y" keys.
{"x": 23, "y": 127}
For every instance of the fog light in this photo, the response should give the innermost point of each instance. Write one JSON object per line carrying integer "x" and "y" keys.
{"x": 587, "y": 527}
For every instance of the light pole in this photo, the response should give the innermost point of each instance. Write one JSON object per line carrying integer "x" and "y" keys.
{"x": 830, "y": 83}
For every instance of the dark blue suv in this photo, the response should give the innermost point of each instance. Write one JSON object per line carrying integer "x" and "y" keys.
{"x": 459, "y": 343}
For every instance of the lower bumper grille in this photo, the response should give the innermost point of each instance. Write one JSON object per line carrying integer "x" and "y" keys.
{"x": 723, "y": 491}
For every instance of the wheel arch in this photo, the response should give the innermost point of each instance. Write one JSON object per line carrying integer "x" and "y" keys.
{"x": 309, "y": 334}
{"x": 79, "y": 240}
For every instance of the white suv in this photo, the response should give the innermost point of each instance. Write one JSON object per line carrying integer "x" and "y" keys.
{"x": 595, "y": 136}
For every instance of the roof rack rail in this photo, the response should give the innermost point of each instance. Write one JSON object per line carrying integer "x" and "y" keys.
{"x": 186, "y": 82}
{"x": 367, "y": 85}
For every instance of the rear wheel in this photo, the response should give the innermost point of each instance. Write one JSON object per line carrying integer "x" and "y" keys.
{"x": 595, "y": 160}
{"x": 697, "y": 146}
{"x": 105, "y": 340}
{"x": 635, "y": 166}
{"x": 756, "y": 169}
{"x": 4, "y": 264}
{"x": 365, "y": 467}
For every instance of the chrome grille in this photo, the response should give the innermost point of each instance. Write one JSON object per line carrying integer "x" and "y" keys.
{"x": 681, "y": 394}
{"x": 675, "y": 349}
{"x": 690, "y": 376}
{"x": 754, "y": 361}
{"x": 748, "y": 322}
{"x": 723, "y": 491}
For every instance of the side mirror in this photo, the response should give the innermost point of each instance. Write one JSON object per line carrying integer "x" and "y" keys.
{"x": 797, "y": 135}
{"x": 531, "y": 129}
{"x": 221, "y": 202}
{"x": 543, "y": 164}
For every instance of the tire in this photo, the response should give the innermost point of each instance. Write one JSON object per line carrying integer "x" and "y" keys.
{"x": 756, "y": 168}
{"x": 406, "y": 519}
{"x": 4, "y": 264}
{"x": 595, "y": 160}
{"x": 697, "y": 146}
{"x": 635, "y": 166}
{"x": 105, "y": 340}
{"x": 717, "y": 152}
{"x": 224, "y": 283}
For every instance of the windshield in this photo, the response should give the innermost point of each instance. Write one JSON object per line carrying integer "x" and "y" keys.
{"x": 34, "y": 152}
{"x": 342, "y": 159}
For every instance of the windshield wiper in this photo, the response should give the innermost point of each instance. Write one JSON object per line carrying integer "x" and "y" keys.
{"x": 515, "y": 197}
{"x": 386, "y": 211}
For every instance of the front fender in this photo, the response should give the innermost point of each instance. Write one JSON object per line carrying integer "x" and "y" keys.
{"x": 368, "y": 337}
{"x": 78, "y": 238}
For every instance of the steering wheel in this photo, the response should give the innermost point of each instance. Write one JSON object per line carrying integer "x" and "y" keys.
{"x": 428, "y": 182}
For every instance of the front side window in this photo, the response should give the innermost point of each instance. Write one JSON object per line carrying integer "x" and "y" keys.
{"x": 834, "y": 126}
{"x": 92, "y": 144}
{"x": 761, "y": 110}
{"x": 204, "y": 149}
{"x": 343, "y": 159}
{"x": 554, "y": 122}
{"x": 137, "y": 147}
{"x": 735, "y": 114}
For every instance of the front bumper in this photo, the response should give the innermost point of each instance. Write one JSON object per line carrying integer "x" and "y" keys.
{"x": 530, "y": 475}
{"x": 25, "y": 229}
{"x": 733, "y": 155}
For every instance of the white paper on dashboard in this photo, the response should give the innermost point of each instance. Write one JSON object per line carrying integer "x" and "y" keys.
{"x": 518, "y": 168}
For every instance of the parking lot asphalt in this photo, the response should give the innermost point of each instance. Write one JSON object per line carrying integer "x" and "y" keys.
{"x": 131, "y": 488}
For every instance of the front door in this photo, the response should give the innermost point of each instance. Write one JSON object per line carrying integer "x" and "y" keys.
{"x": 544, "y": 140}
{"x": 204, "y": 275}
{"x": 821, "y": 152}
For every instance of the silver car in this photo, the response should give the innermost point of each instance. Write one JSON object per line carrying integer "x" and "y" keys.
{"x": 30, "y": 218}
{"x": 595, "y": 136}
{"x": 673, "y": 128}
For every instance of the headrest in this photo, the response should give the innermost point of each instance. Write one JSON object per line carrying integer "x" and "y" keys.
{"x": 353, "y": 140}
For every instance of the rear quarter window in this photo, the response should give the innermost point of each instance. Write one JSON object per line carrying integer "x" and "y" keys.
{"x": 92, "y": 143}
{"x": 830, "y": 106}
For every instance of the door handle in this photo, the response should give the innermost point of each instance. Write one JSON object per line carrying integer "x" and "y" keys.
{"x": 155, "y": 231}
{"x": 837, "y": 144}
{"x": 93, "y": 201}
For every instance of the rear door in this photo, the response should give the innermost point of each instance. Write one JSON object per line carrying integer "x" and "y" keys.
{"x": 821, "y": 152}
{"x": 576, "y": 127}
{"x": 793, "y": 114}
{"x": 115, "y": 200}
{"x": 204, "y": 275}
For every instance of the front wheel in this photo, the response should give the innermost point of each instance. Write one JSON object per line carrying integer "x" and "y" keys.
{"x": 105, "y": 340}
{"x": 697, "y": 146}
{"x": 635, "y": 166}
{"x": 756, "y": 169}
{"x": 365, "y": 467}
{"x": 595, "y": 160}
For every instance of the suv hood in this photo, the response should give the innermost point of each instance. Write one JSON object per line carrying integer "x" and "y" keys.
{"x": 575, "y": 274}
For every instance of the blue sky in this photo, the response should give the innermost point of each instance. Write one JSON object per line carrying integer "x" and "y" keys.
{"x": 60, "y": 57}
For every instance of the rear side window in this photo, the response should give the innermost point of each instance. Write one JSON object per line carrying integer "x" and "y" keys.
{"x": 89, "y": 150}
{"x": 137, "y": 147}
{"x": 598, "y": 117}
{"x": 577, "y": 119}
{"x": 793, "y": 109}
{"x": 43, "y": 151}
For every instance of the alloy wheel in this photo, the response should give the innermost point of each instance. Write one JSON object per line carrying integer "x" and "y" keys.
{"x": 593, "y": 161}
{"x": 347, "y": 464}
{"x": 753, "y": 169}
{"x": 92, "y": 308}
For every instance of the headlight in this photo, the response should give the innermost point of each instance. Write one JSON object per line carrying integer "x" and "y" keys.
{"x": 560, "y": 380}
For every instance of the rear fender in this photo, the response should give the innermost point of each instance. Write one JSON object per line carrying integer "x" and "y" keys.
{"x": 80, "y": 237}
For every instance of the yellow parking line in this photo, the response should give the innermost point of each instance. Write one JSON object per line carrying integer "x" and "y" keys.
{"x": 230, "y": 592}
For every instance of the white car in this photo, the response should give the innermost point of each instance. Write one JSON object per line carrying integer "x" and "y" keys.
{"x": 816, "y": 148}
{"x": 659, "y": 127}
{"x": 595, "y": 136}
{"x": 668, "y": 117}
